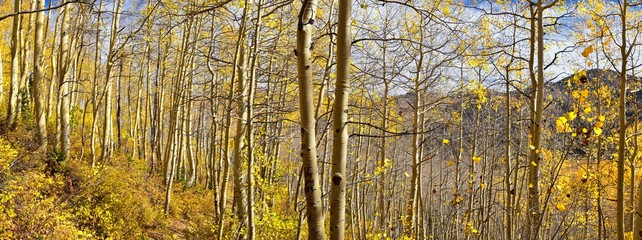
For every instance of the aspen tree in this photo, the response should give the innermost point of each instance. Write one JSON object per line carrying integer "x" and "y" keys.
{"x": 411, "y": 229}
{"x": 176, "y": 145}
{"x": 12, "y": 113}
{"x": 52, "y": 93}
{"x": 340, "y": 122}
{"x": 38, "y": 77}
{"x": 637, "y": 227}
{"x": 216, "y": 159}
{"x": 64, "y": 73}
{"x": 248, "y": 122}
{"x": 240, "y": 198}
{"x": 26, "y": 67}
{"x": 305, "y": 21}
{"x": 507, "y": 152}
{"x": 381, "y": 208}
{"x": 624, "y": 54}
{"x": 228, "y": 123}
{"x": 537, "y": 104}
{"x": 94, "y": 88}
{"x": 107, "y": 143}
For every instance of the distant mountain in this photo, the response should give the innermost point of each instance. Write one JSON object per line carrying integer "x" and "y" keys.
{"x": 558, "y": 91}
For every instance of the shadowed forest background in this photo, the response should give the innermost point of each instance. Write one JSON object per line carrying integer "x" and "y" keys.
{"x": 320, "y": 119}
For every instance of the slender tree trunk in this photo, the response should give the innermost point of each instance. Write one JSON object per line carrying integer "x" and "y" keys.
{"x": 228, "y": 123}
{"x": 38, "y": 77}
{"x": 239, "y": 178}
{"x": 172, "y": 160}
{"x": 508, "y": 192}
{"x": 622, "y": 126}
{"x": 53, "y": 95}
{"x": 248, "y": 122}
{"x": 308, "y": 123}
{"x": 340, "y": 123}
{"x": 119, "y": 115}
{"x": 12, "y": 113}
{"x": 533, "y": 210}
{"x": 637, "y": 231}
{"x": 381, "y": 209}
{"x": 413, "y": 200}
{"x": 94, "y": 89}
{"x": 107, "y": 135}
{"x": 25, "y": 97}
{"x": 64, "y": 73}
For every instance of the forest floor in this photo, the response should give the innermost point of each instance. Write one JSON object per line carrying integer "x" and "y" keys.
{"x": 44, "y": 198}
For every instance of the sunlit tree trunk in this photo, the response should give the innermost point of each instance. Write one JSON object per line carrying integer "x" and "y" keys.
{"x": 305, "y": 27}
{"x": 537, "y": 83}
{"x": 53, "y": 95}
{"x": 38, "y": 77}
{"x": 188, "y": 118}
{"x": 622, "y": 125}
{"x": 12, "y": 113}
{"x": 94, "y": 88}
{"x": 340, "y": 121}
{"x": 410, "y": 226}
{"x": 239, "y": 178}
{"x": 637, "y": 230}
{"x": 228, "y": 123}
{"x": 25, "y": 97}
{"x": 508, "y": 216}
{"x": 65, "y": 59}
{"x": 107, "y": 124}
{"x": 251, "y": 83}
{"x": 381, "y": 192}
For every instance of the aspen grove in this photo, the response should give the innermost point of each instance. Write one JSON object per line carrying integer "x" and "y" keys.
{"x": 321, "y": 119}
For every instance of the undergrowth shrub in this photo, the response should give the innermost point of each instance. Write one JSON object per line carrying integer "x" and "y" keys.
{"x": 116, "y": 200}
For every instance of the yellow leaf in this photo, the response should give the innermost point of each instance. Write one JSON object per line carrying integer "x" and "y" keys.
{"x": 451, "y": 163}
{"x": 599, "y": 124}
{"x": 587, "y": 51}
{"x": 446, "y": 10}
{"x": 560, "y": 127}
{"x": 587, "y": 110}
{"x": 533, "y": 163}
{"x": 570, "y": 115}
{"x": 601, "y": 118}
{"x": 446, "y": 141}
{"x": 560, "y": 124}
{"x": 597, "y": 131}
{"x": 560, "y": 207}
{"x": 584, "y": 92}
{"x": 575, "y": 94}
